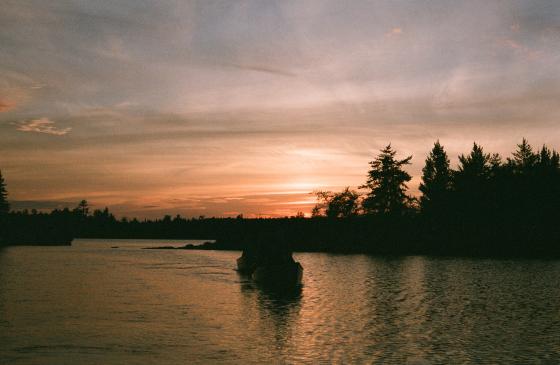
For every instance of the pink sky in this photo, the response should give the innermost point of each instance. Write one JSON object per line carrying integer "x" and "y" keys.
{"x": 220, "y": 108}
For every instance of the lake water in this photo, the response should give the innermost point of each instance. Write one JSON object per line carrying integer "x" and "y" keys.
{"x": 93, "y": 304}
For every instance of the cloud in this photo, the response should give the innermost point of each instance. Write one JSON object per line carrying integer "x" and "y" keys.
{"x": 262, "y": 68}
{"x": 231, "y": 213}
{"x": 42, "y": 125}
{"x": 520, "y": 48}
{"x": 6, "y": 105}
{"x": 395, "y": 32}
{"x": 42, "y": 205}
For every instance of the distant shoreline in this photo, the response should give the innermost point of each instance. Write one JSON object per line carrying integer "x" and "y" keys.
{"x": 220, "y": 246}
{"x": 400, "y": 249}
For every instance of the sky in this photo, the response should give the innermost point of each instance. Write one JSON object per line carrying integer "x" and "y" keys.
{"x": 217, "y": 108}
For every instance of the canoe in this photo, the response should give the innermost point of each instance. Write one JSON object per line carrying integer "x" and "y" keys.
{"x": 245, "y": 266}
{"x": 279, "y": 275}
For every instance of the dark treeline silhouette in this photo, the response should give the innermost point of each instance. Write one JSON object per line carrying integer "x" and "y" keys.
{"x": 486, "y": 206}
{"x": 490, "y": 206}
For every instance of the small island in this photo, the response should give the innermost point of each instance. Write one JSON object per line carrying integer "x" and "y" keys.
{"x": 208, "y": 245}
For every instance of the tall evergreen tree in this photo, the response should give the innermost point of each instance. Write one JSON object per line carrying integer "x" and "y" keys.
{"x": 548, "y": 160}
{"x": 545, "y": 182}
{"x": 387, "y": 183}
{"x": 82, "y": 208}
{"x": 475, "y": 185}
{"x": 436, "y": 177}
{"x": 476, "y": 166}
{"x": 524, "y": 159}
{"x": 4, "y": 205}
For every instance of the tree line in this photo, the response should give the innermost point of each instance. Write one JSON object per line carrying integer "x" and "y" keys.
{"x": 487, "y": 205}
{"x": 477, "y": 175}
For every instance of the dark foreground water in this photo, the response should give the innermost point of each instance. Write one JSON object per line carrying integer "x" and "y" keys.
{"x": 93, "y": 304}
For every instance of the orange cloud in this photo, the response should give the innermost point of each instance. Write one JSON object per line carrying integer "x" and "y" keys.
{"x": 6, "y": 105}
{"x": 520, "y": 48}
{"x": 395, "y": 32}
{"x": 42, "y": 125}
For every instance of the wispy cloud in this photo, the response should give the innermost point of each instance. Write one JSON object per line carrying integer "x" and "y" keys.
{"x": 517, "y": 47}
{"x": 42, "y": 125}
{"x": 394, "y": 32}
{"x": 6, "y": 105}
{"x": 41, "y": 204}
{"x": 262, "y": 68}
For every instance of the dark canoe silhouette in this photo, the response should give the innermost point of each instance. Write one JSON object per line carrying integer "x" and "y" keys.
{"x": 281, "y": 274}
{"x": 245, "y": 265}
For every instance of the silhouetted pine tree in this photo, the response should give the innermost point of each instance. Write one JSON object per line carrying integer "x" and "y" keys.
{"x": 474, "y": 198}
{"x": 436, "y": 179}
{"x": 387, "y": 182}
{"x": 82, "y": 208}
{"x": 548, "y": 160}
{"x": 521, "y": 183}
{"x": 471, "y": 180}
{"x": 524, "y": 159}
{"x": 4, "y": 205}
{"x": 545, "y": 186}
{"x": 475, "y": 168}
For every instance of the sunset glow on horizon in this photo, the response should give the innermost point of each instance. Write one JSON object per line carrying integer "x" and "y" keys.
{"x": 220, "y": 108}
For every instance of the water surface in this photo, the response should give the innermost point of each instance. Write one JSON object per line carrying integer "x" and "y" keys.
{"x": 93, "y": 304}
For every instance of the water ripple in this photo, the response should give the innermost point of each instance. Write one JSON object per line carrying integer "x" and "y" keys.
{"x": 91, "y": 305}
